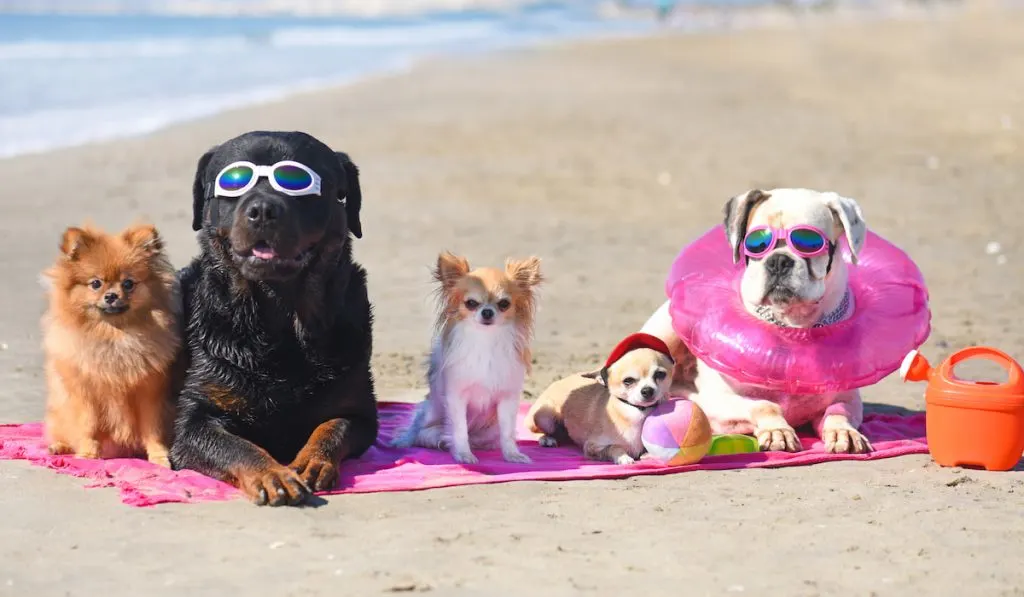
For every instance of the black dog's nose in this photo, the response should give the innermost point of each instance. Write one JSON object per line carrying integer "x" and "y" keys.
{"x": 647, "y": 392}
{"x": 110, "y": 298}
{"x": 262, "y": 212}
{"x": 487, "y": 314}
{"x": 779, "y": 264}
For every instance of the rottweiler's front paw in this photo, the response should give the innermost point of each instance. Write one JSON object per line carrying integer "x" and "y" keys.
{"x": 319, "y": 473}
{"x": 273, "y": 486}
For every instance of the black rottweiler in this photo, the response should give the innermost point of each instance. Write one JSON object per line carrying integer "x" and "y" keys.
{"x": 277, "y": 387}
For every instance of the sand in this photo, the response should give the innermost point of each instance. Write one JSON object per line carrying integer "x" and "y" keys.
{"x": 604, "y": 158}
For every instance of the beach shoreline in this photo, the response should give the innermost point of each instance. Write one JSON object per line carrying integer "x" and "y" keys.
{"x": 132, "y": 116}
{"x": 604, "y": 158}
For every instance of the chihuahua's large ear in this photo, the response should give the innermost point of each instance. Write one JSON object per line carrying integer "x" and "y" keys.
{"x": 145, "y": 237}
{"x": 353, "y": 196}
{"x": 602, "y": 376}
{"x": 851, "y": 219}
{"x": 199, "y": 189}
{"x": 73, "y": 241}
{"x": 737, "y": 214}
{"x": 450, "y": 267}
{"x": 526, "y": 272}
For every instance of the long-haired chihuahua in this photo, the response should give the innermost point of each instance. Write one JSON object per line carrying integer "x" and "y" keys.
{"x": 479, "y": 359}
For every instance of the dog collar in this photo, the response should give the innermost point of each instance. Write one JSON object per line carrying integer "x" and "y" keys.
{"x": 835, "y": 316}
{"x": 642, "y": 409}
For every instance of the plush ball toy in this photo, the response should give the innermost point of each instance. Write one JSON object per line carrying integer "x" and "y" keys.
{"x": 677, "y": 432}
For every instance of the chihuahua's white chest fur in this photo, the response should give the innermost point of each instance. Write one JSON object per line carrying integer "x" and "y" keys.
{"x": 481, "y": 362}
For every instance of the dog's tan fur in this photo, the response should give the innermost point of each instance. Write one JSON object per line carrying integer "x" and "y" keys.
{"x": 107, "y": 375}
{"x": 593, "y": 415}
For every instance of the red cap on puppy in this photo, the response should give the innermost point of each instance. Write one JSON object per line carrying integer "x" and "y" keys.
{"x": 635, "y": 341}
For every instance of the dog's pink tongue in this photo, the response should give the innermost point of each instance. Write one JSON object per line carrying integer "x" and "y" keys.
{"x": 263, "y": 251}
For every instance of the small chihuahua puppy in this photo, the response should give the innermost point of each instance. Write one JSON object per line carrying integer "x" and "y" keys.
{"x": 479, "y": 359}
{"x": 603, "y": 412}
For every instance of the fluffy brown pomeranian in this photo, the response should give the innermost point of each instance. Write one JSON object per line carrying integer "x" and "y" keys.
{"x": 110, "y": 336}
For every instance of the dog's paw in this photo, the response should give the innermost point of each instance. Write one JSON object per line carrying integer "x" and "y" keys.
{"x": 274, "y": 486}
{"x": 159, "y": 459}
{"x": 89, "y": 449}
{"x": 778, "y": 440}
{"x": 402, "y": 441}
{"x": 546, "y": 441}
{"x": 464, "y": 456}
{"x": 516, "y": 456}
{"x": 624, "y": 459}
{"x": 59, "y": 448}
{"x": 845, "y": 441}
{"x": 318, "y": 473}
{"x": 156, "y": 453}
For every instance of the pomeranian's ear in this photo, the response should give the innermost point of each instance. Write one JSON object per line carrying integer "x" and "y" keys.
{"x": 73, "y": 241}
{"x": 526, "y": 272}
{"x": 450, "y": 268}
{"x": 145, "y": 237}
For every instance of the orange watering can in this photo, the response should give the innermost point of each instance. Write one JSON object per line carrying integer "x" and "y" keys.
{"x": 971, "y": 423}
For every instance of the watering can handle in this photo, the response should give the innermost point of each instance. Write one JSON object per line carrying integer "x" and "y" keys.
{"x": 1016, "y": 375}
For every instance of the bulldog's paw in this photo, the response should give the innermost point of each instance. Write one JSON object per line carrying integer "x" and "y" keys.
{"x": 783, "y": 439}
{"x": 845, "y": 440}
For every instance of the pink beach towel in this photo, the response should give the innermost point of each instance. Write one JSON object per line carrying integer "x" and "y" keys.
{"x": 386, "y": 469}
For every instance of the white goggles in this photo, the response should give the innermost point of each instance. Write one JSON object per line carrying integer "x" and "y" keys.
{"x": 290, "y": 178}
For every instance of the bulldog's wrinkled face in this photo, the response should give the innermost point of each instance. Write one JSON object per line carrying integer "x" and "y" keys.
{"x": 265, "y": 232}
{"x": 782, "y": 274}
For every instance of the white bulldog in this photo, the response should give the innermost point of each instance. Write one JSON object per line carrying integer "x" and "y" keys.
{"x": 793, "y": 278}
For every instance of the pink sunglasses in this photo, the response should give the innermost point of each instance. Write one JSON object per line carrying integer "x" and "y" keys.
{"x": 805, "y": 241}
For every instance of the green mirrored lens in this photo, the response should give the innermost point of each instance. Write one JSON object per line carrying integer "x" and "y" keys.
{"x": 807, "y": 241}
{"x": 235, "y": 178}
{"x": 292, "y": 178}
{"x": 758, "y": 241}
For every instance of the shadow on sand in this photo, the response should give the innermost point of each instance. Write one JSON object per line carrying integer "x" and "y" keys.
{"x": 878, "y": 408}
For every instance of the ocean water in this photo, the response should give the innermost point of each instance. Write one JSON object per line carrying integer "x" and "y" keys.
{"x": 72, "y": 79}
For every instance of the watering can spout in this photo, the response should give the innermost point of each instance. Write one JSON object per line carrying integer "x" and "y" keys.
{"x": 915, "y": 367}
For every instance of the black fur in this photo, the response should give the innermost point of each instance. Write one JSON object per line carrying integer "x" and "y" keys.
{"x": 276, "y": 351}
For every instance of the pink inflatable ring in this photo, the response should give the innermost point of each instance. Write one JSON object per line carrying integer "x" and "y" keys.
{"x": 890, "y": 319}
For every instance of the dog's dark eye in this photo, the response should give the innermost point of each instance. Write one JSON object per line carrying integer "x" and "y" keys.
{"x": 504, "y": 304}
{"x": 128, "y": 285}
{"x": 628, "y": 381}
{"x": 472, "y": 304}
{"x": 659, "y": 375}
{"x": 95, "y": 284}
